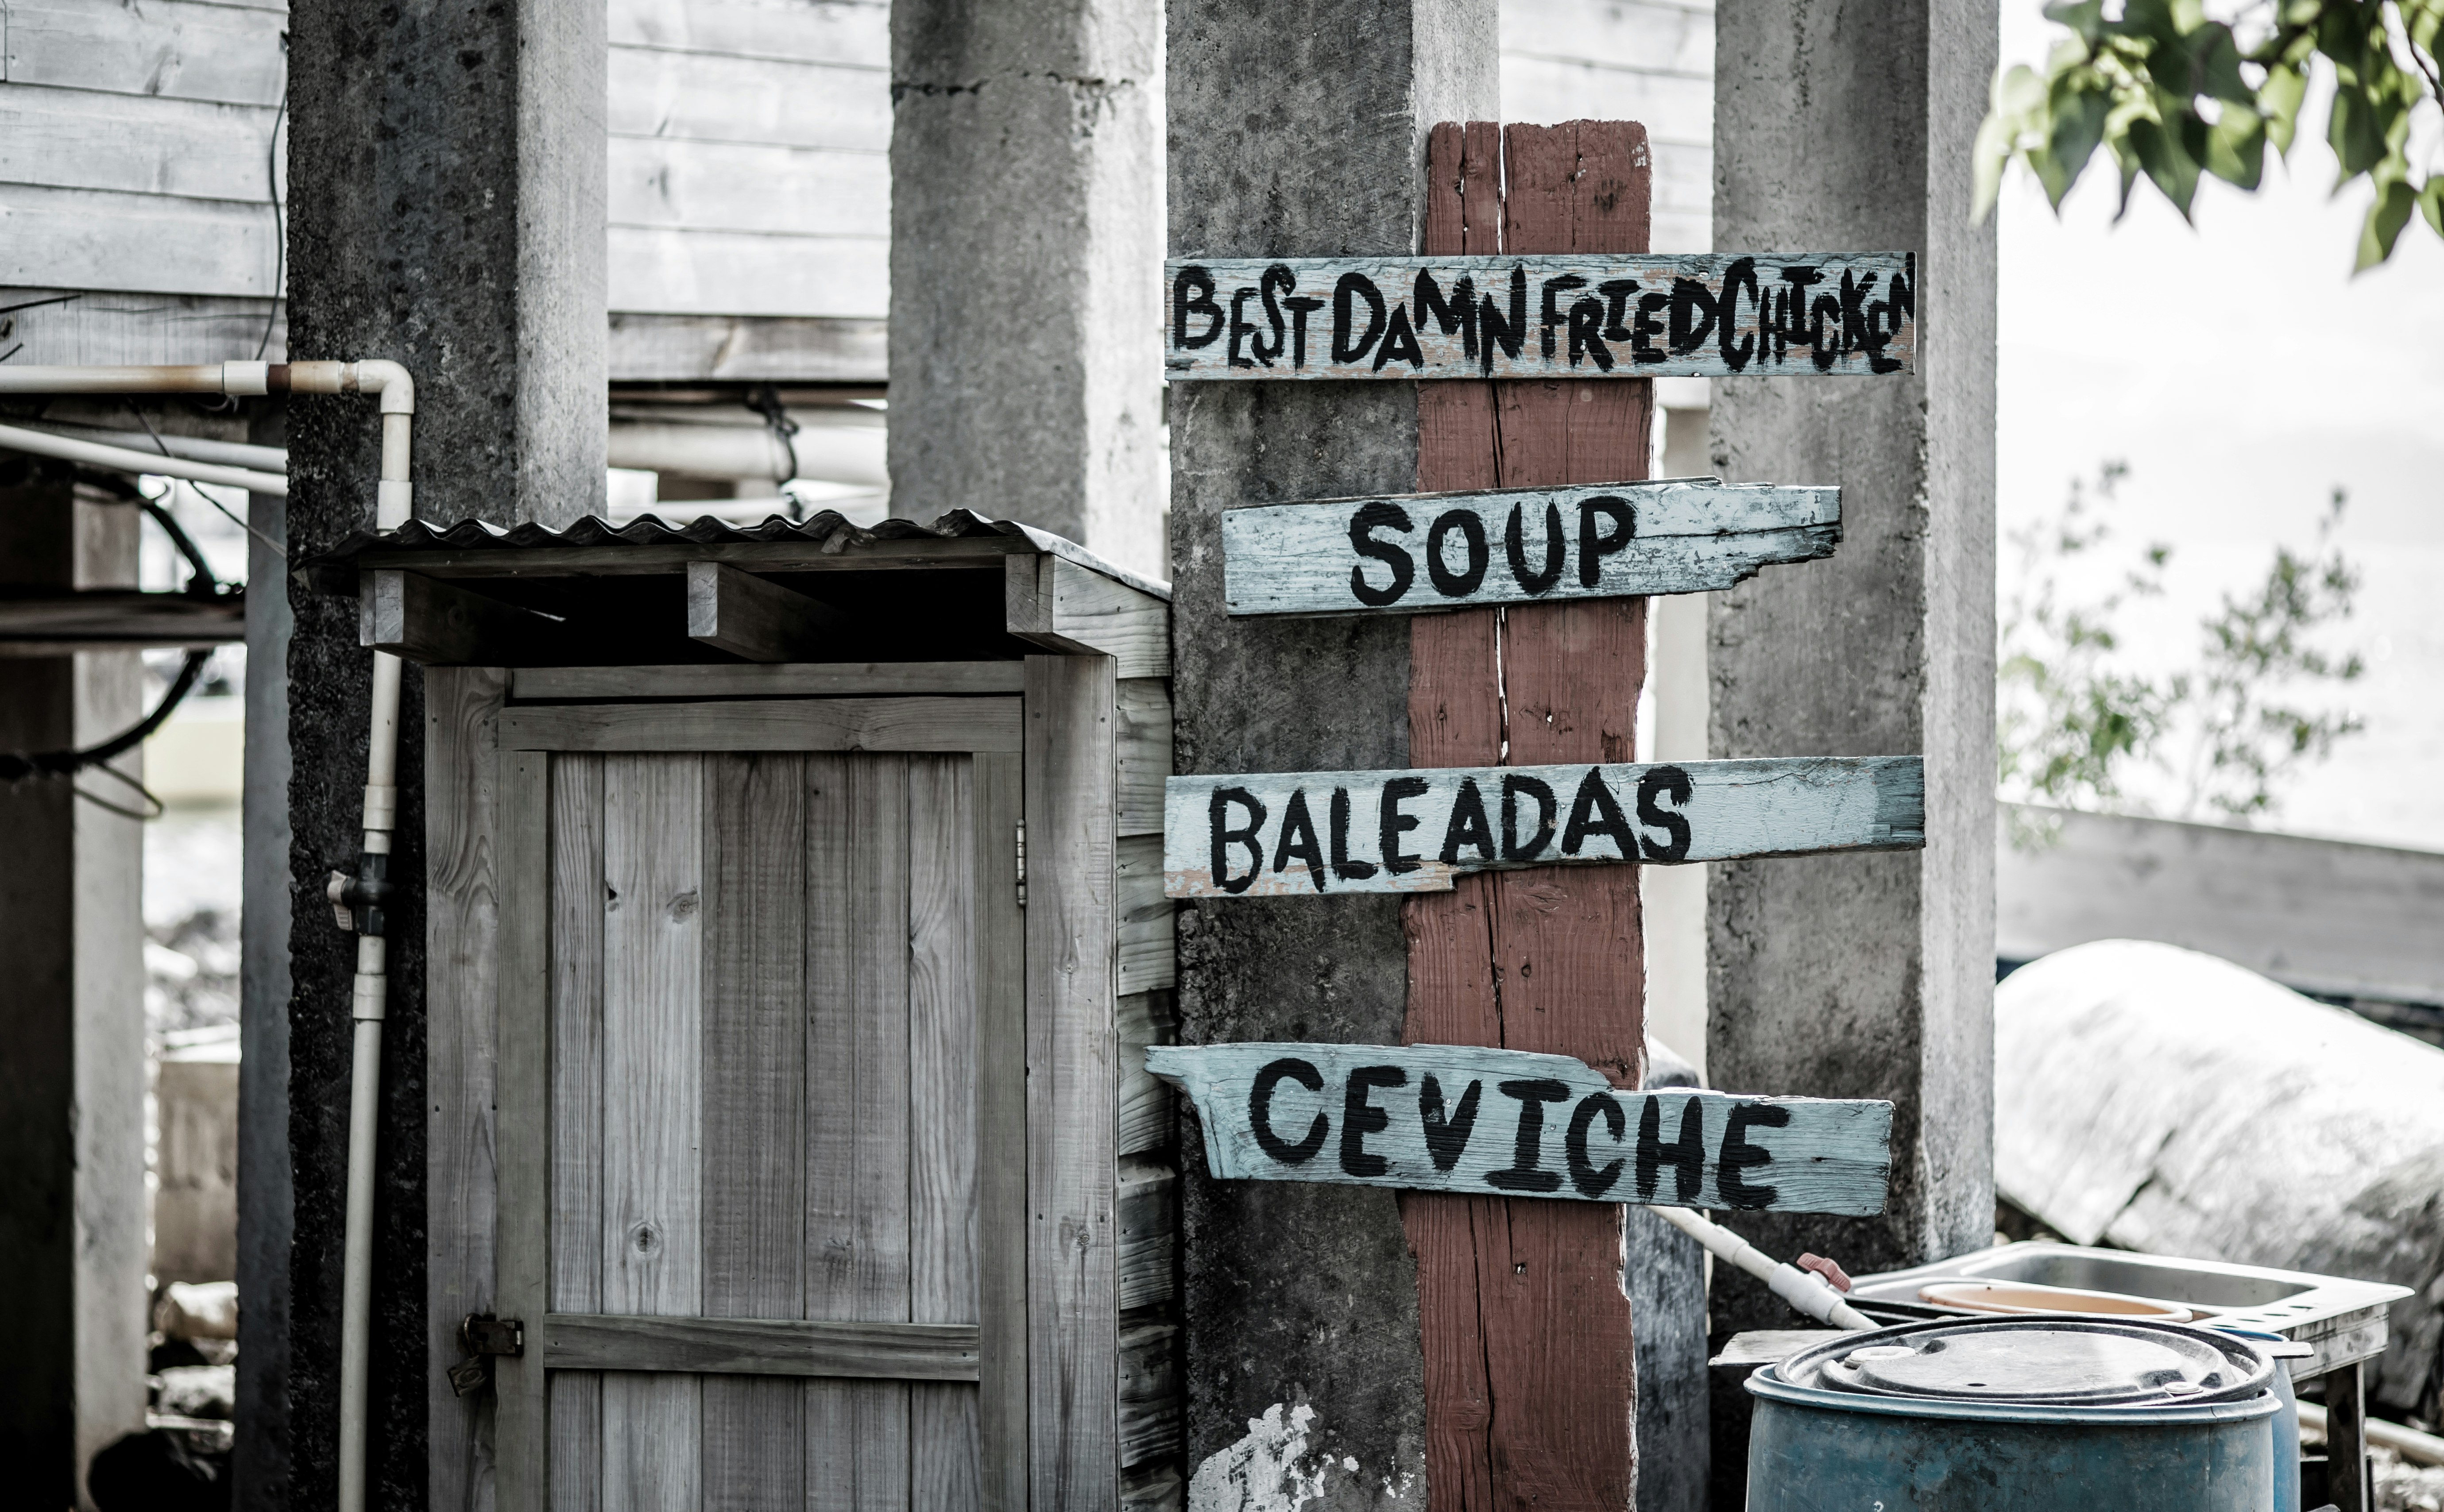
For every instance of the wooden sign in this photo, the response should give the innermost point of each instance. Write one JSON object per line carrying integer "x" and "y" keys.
{"x": 1485, "y": 1122}
{"x": 1284, "y": 834}
{"x": 1410, "y": 552}
{"x": 1582, "y": 314}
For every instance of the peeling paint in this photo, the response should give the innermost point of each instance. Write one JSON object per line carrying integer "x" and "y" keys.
{"x": 1263, "y": 1473}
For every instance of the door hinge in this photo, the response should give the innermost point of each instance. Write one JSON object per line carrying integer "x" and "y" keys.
{"x": 1022, "y": 864}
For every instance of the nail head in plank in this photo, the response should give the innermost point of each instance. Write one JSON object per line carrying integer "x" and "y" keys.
{"x": 919, "y": 724}
{"x": 1496, "y": 1123}
{"x": 784, "y": 680}
{"x": 435, "y": 623}
{"x": 871, "y": 1350}
{"x": 1404, "y": 554}
{"x": 1142, "y": 706}
{"x": 1448, "y": 821}
{"x": 749, "y": 616}
{"x": 1580, "y": 315}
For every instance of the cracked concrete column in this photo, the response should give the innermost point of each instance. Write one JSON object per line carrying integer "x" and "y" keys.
{"x": 1027, "y": 266}
{"x": 1865, "y": 976}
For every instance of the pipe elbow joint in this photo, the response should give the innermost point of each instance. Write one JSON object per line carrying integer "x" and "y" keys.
{"x": 396, "y": 385}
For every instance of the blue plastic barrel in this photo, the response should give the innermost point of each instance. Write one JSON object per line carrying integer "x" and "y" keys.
{"x": 2031, "y": 1414}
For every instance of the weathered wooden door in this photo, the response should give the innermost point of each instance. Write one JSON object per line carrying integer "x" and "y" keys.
{"x": 763, "y": 1106}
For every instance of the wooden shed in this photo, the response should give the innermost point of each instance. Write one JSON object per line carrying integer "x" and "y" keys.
{"x": 795, "y": 924}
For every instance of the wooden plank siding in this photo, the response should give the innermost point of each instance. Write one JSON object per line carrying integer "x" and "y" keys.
{"x": 577, "y": 898}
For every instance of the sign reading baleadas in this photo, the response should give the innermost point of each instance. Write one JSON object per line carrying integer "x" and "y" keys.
{"x": 1851, "y": 314}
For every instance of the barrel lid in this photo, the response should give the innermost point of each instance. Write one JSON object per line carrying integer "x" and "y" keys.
{"x": 2037, "y": 1361}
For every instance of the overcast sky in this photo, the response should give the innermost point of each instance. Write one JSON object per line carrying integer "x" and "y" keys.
{"x": 2243, "y": 373}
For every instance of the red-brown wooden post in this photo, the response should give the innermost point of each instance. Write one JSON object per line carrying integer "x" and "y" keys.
{"x": 1530, "y": 1391}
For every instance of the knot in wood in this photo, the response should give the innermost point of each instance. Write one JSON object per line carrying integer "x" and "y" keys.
{"x": 645, "y": 1239}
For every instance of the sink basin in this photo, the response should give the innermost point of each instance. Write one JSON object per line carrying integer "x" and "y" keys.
{"x": 2342, "y": 1320}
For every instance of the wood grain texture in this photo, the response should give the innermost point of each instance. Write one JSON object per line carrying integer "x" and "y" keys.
{"x": 857, "y": 1123}
{"x": 738, "y": 1346}
{"x": 1151, "y": 1420}
{"x": 1146, "y": 1208}
{"x": 754, "y": 618}
{"x": 1143, "y": 707}
{"x": 1438, "y": 551}
{"x": 653, "y": 1100}
{"x": 982, "y": 553}
{"x": 1544, "y": 316}
{"x": 1516, "y": 1122}
{"x": 1145, "y": 952}
{"x": 461, "y": 974}
{"x": 523, "y": 1074}
{"x": 1445, "y": 822}
{"x": 1071, "y": 917}
{"x": 791, "y": 680}
{"x": 802, "y": 724}
{"x": 1144, "y": 1123}
{"x": 577, "y": 912}
{"x": 942, "y": 1233}
{"x": 435, "y": 623}
{"x": 1504, "y": 1285}
{"x": 755, "y": 1113}
{"x": 1062, "y": 606}
{"x": 178, "y": 48}
{"x": 1002, "y": 1151}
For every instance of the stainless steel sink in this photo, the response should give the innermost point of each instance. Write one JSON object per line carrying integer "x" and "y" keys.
{"x": 2344, "y": 1321}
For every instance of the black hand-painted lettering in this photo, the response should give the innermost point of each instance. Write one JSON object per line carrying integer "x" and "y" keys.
{"x": 1361, "y": 1117}
{"x": 1855, "y": 291}
{"x": 1458, "y": 315}
{"x": 1899, "y": 305}
{"x": 1692, "y": 315}
{"x": 1586, "y": 335}
{"x": 1472, "y": 534}
{"x": 1738, "y": 1155}
{"x": 1616, "y": 292}
{"x": 1399, "y": 341}
{"x": 1740, "y": 275}
{"x": 1686, "y": 1155}
{"x": 1299, "y": 309}
{"x": 1528, "y": 1150}
{"x": 1661, "y": 781}
{"x": 1561, "y": 285}
{"x": 1511, "y": 335}
{"x": 1446, "y": 1137}
{"x": 1556, "y": 551}
{"x": 1548, "y": 809}
{"x": 1824, "y": 332}
{"x": 1217, "y": 811}
{"x": 1242, "y": 333}
{"x": 1297, "y": 841}
{"x": 1394, "y": 823}
{"x": 1589, "y": 1178}
{"x": 1645, "y": 328}
{"x": 1469, "y": 825}
{"x": 1379, "y": 515}
{"x": 1595, "y": 811}
{"x": 1594, "y": 545}
{"x": 1278, "y": 280}
{"x": 1260, "y": 1110}
{"x": 1344, "y": 349}
{"x": 1342, "y": 867}
{"x": 1192, "y": 293}
{"x": 1791, "y": 307}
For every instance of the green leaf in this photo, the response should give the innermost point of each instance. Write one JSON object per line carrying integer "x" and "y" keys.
{"x": 2085, "y": 17}
{"x": 2385, "y": 219}
{"x": 2077, "y": 127}
{"x": 2278, "y": 102}
{"x": 2168, "y": 166}
{"x": 2235, "y": 147}
{"x": 2218, "y": 62}
{"x": 2430, "y": 202}
{"x": 2355, "y": 131}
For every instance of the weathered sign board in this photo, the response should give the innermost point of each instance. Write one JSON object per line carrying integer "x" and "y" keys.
{"x": 1403, "y": 553}
{"x": 1486, "y": 1122}
{"x": 1285, "y": 834}
{"x": 1578, "y": 316}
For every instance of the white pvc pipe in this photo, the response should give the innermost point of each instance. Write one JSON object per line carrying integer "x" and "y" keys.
{"x": 47, "y": 444}
{"x": 2419, "y": 1448}
{"x": 394, "y": 503}
{"x": 1805, "y": 1290}
{"x": 194, "y": 448}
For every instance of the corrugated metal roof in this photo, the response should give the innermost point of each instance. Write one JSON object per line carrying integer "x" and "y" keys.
{"x": 828, "y": 531}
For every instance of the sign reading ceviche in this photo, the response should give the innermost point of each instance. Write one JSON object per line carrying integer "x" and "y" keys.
{"x": 1403, "y": 553}
{"x": 1486, "y": 1122}
{"x": 1277, "y": 834}
{"x": 1849, "y": 314}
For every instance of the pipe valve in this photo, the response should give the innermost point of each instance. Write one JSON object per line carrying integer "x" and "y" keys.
{"x": 360, "y": 900}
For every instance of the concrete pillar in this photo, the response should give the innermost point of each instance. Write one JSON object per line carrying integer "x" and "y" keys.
{"x": 1027, "y": 266}
{"x": 72, "y": 1201}
{"x": 447, "y": 181}
{"x": 1865, "y": 976}
{"x": 1300, "y": 131}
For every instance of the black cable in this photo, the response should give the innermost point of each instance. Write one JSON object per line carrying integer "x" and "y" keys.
{"x": 18, "y": 767}
{"x": 200, "y": 581}
{"x": 279, "y": 227}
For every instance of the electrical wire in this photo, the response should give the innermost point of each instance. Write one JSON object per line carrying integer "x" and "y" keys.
{"x": 279, "y": 227}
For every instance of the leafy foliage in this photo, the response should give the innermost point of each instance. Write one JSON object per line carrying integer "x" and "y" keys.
{"x": 2072, "y": 724}
{"x": 2172, "y": 96}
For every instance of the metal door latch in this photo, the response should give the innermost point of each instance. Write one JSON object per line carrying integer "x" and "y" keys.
{"x": 483, "y": 1335}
